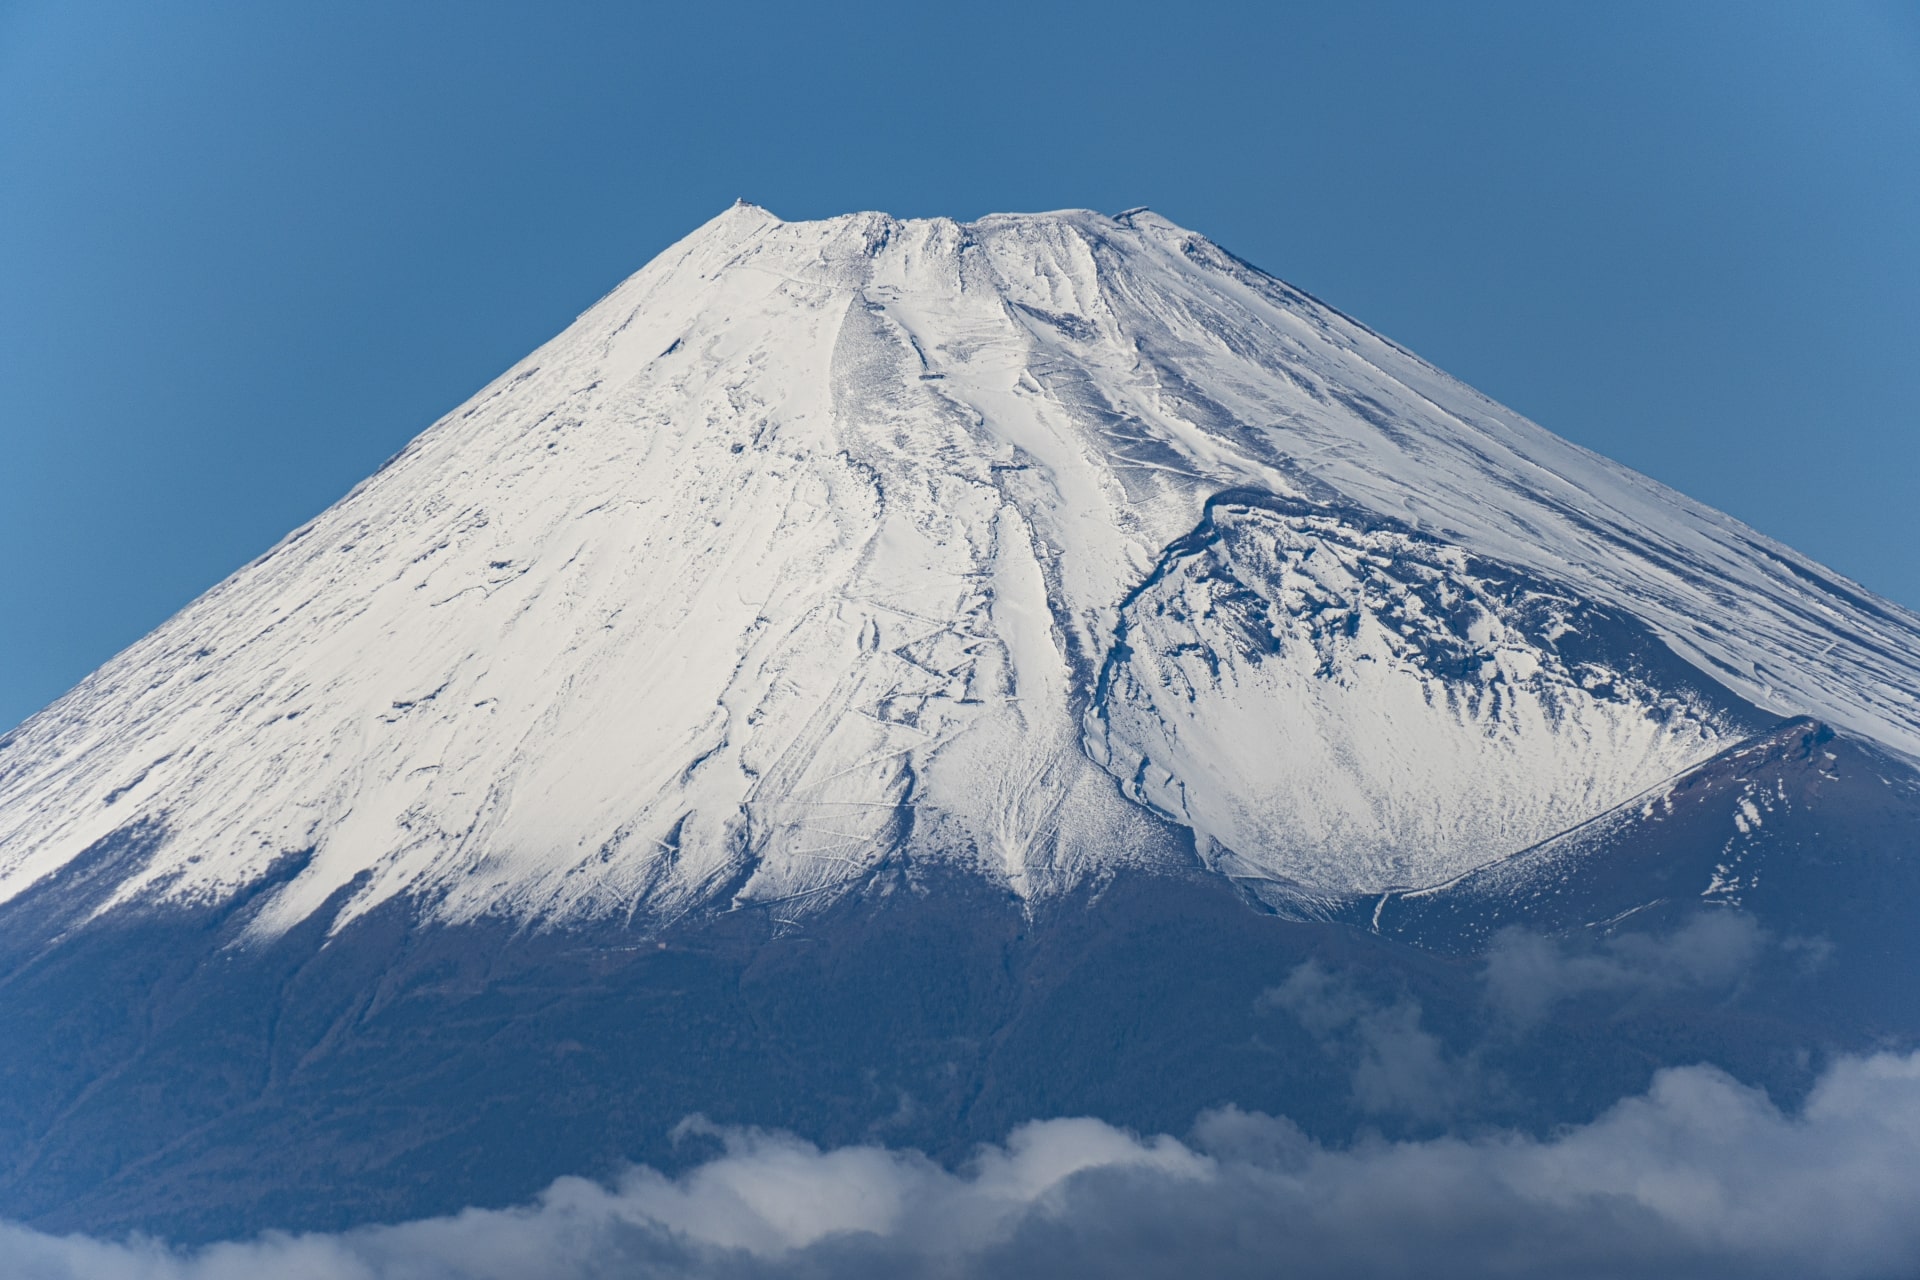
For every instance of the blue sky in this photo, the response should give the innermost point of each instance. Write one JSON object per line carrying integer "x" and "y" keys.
{"x": 249, "y": 250}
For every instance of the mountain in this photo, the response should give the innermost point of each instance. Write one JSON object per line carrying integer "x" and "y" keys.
{"x": 905, "y": 677}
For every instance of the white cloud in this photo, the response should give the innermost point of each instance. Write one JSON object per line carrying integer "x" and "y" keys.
{"x": 1400, "y": 1066}
{"x": 1528, "y": 974}
{"x": 1700, "y": 1176}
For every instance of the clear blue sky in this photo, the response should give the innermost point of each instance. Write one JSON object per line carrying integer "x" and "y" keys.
{"x": 247, "y": 250}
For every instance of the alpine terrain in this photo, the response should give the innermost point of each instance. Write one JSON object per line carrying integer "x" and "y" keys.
{"x": 894, "y": 679}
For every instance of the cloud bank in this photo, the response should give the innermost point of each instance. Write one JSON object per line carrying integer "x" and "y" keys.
{"x": 1699, "y": 1176}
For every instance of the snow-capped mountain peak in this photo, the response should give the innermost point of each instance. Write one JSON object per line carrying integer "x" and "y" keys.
{"x": 1021, "y": 544}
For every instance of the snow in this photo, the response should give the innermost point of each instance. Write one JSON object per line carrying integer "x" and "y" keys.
{"x": 807, "y": 545}
{"x": 1350, "y": 709}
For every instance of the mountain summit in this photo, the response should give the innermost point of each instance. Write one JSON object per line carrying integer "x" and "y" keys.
{"x": 900, "y": 678}
{"x": 1010, "y": 543}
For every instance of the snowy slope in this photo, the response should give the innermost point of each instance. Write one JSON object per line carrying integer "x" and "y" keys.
{"x": 1334, "y": 702}
{"x": 810, "y": 543}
